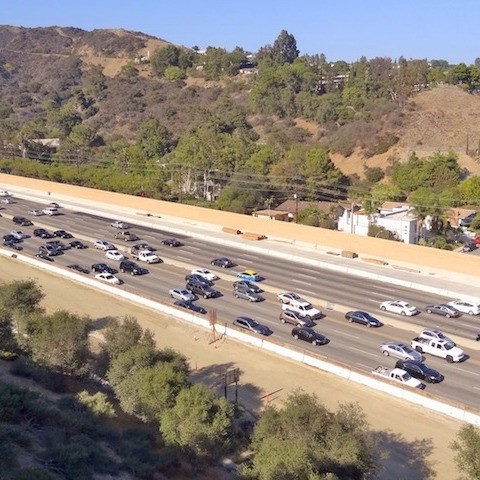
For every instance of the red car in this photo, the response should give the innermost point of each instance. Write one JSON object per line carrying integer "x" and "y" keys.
{"x": 476, "y": 240}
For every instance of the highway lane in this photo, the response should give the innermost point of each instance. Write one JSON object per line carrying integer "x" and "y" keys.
{"x": 319, "y": 285}
{"x": 350, "y": 344}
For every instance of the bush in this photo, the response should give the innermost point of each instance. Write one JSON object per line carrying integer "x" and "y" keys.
{"x": 51, "y": 381}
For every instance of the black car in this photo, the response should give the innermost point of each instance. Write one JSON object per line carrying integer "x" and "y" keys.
{"x": 419, "y": 370}
{"x": 13, "y": 245}
{"x": 190, "y": 306}
{"x": 202, "y": 290}
{"x": 249, "y": 285}
{"x": 250, "y": 324}
{"x": 24, "y": 222}
{"x": 309, "y": 335}
{"x": 10, "y": 239}
{"x": 171, "y": 242}
{"x": 132, "y": 268}
{"x": 103, "y": 267}
{"x": 223, "y": 262}
{"x": 44, "y": 256}
{"x": 78, "y": 268}
{"x": 359, "y": 316}
{"x": 59, "y": 245}
{"x": 77, "y": 244}
{"x": 195, "y": 279}
{"x": 49, "y": 250}
{"x": 62, "y": 234}
{"x": 42, "y": 233}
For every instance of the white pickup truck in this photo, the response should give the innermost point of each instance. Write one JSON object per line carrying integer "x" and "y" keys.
{"x": 147, "y": 256}
{"x": 305, "y": 309}
{"x": 439, "y": 348}
{"x": 398, "y": 375}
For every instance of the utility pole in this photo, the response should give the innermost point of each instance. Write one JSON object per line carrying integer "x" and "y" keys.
{"x": 295, "y": 196}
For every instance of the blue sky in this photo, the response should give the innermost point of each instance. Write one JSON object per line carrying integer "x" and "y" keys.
{"x": 342, "y": 30}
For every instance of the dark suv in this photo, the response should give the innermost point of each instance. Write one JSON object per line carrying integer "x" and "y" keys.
{"x": 131, "y": 267}
{"x": 24, "y": 222}
{"x": 202, "y": 290}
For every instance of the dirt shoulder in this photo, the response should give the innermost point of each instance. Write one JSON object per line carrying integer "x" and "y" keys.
{"x": 416, "y": 440}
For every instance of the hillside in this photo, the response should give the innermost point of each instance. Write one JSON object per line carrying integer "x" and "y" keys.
{"x": 433, "y": 120}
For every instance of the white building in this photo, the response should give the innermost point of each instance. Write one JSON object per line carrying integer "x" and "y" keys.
{"x": 398, "y": 219}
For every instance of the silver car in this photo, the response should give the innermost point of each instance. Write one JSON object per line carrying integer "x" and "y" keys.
{"x": 400, "y": 350}
{"x": 182, "y": 294}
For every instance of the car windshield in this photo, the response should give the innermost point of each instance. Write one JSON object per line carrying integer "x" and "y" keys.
{"x": 448, "y": 345}
{"x": 308, "y": 307}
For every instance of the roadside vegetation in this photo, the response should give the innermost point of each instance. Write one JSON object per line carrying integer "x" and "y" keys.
{"x": 65, "y": 421}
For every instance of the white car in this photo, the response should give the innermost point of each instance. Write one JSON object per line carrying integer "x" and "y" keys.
{"x": 7, "y": 200}
{"x": 104, "y": 245}
{"x": 399, "y": 307}
{"x": 466, "y": 307}
{"x": 19, "y": 235}
{"x": 182, "y": 294}
{"x": 290, "y": 297}
{"x": 114, "y": 255}
{"x": 36, "y": 212}
{"x": 50, "y": 211}
{"x": 107, "y": 277}
{"x": 120, "y": 224}
{"x": 4, "y": 193}
{"x": 205, "y": 273}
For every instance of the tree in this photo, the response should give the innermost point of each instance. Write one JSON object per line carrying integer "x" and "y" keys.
{"x": 22, "y": 295}
{"x": 154, "y": 139}
{"x": 467, "y": 452}
{"x": 200, "y": 422}
{"x": 60, "y": 341}
{"x": 284, "y": 48}
{"x": 121, "y": 336}
{"x": 148, "y": 392}
{"x": 305, "y": 440}
{"x": 164, "y": 57}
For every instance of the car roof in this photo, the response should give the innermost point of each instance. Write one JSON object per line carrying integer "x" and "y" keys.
{"x": 250, "y": 271}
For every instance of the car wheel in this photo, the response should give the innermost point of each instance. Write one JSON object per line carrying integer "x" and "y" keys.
{"x": 449, "y": 359}
{"x": 283, "y": 320}
{"x": 205, "y": 296}
{"x": 383, "y": 308}
{"x": 369, "y": 325}
{"x": 386, "y": 353}
{"x": 295, "y": 337}
{"x": 447, "y": 315}
{"x": 419, "y": 349}
{"x": 428, "y": 380}
{"x": 132, "y": 273}
{"x": 314, "y": 342}
{"x": 122, "y": 270}
{"x": 250, "y": 299}
{"x": 236, "y": 296}
{"x": 402, "y": 313}
{"x": 350, "y": 320}
{"x": 429, "y": 311}
{"x": 470, "y": 313}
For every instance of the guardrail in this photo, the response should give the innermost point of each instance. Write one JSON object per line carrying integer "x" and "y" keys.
{"x": 421, "y": 398}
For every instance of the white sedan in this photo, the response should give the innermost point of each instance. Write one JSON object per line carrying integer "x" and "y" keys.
{"x": 205, "y": 273}
{"x": 107, "y": 277}
{"x": 466, "y": 307}
{"x": 400, "y": 307}
{"x": 182, "y": 294}
{"x": 114, "y": 255}
{"x": 19, "y": 235}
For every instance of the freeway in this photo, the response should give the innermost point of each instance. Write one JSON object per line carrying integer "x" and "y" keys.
{"x": 349, "y": 343}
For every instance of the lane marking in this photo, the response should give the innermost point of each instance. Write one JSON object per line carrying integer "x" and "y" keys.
{"x": 363, "y": 351}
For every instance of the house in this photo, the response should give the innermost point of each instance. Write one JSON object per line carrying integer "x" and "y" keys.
{"x": 459, "y": 216}
{"x": 272, "y": 214}
{"x": 396, "y": 218}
